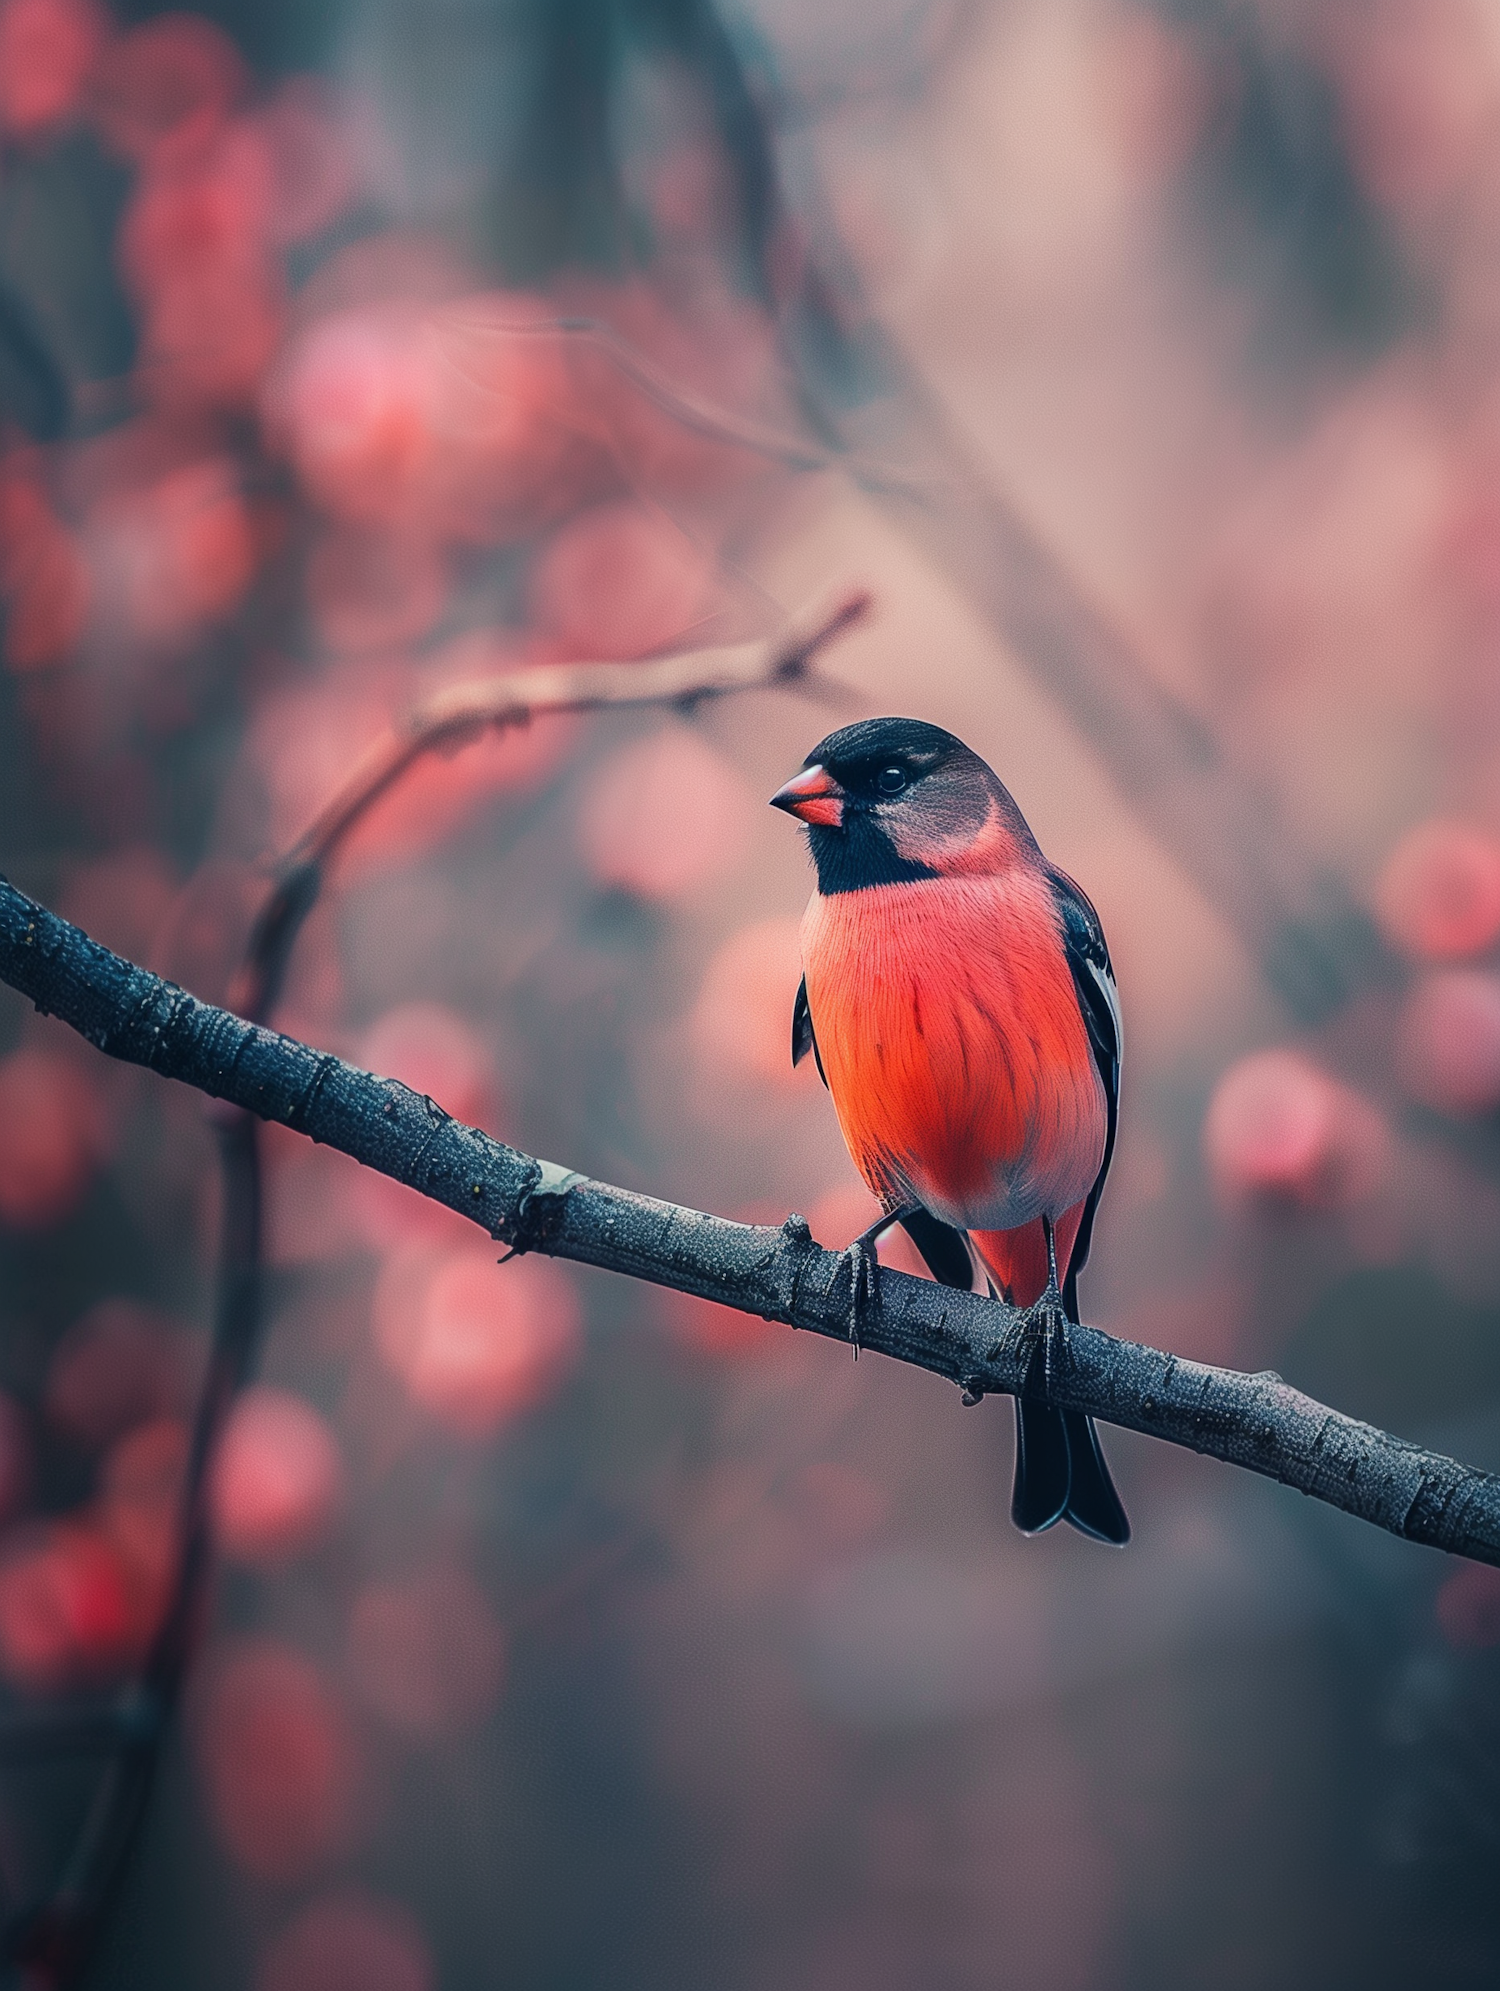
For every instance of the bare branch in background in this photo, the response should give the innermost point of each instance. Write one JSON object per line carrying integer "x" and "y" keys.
{"x": 57, "y": 1939}
{"x": 867, "y": 403}
{"x": 1255, "y": 1421}
{"x": 1317, "y": 947}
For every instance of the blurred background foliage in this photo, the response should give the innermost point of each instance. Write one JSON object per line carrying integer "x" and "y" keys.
{"x": 567, "y": 1633}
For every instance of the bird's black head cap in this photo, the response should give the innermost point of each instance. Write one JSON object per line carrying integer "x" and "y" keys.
{"x": 856, "y": 756}
{"x": 894, "y": 800}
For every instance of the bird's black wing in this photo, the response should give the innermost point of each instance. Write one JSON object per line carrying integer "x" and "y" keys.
{"x": 945, "y": 1251}
{"x": 803, "y": 1039}
{"x": 1061, "y": 1474}
{"x": 1098, "y": 998}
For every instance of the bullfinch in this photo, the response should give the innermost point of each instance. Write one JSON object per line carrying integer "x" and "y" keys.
{"x": 960, "y": 1003}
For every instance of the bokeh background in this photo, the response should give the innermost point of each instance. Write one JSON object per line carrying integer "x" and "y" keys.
{"x": 567, "y": 1634}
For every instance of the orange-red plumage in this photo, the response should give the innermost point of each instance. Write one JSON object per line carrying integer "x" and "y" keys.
{"x": 1017, "y": 1260}
{"x": 957, "y": 1057}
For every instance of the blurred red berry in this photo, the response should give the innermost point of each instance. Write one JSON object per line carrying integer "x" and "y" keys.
{"x": 1439, "y": 895}
{"x": 49, "y": 602}
{"x": 120, "y": 1365}
{"x": 619, "y": 581}
{"x": 54, "y": 1133}
{"x": 515, "y": 448}
{"x": 140, "y": 1507}
{"x": 1279, "y": 1130}
{"x": 43, "y": 577}
{"x": 348, "y": 1942}
{"x": 167, "y": 88}
{"x": 207, "y": 338}
{"x": 194, "y": 251}
{"x": 277, "y": 1758}
{"x": 441, "y": 419}
{"x": 665, "y": 815}
{"x": 66, "y": 1617}
{"x": 176, "y": 554}
{"x": 355, "y": 405}
{"x": 375, "y": 590}
{"x": 1468, "y": 1607}
{"x": 277, "y": 1478}
{"x": 48, "y": 49}
{"x": 311, "y": 172}
{"x": 213, "y": 213}
{"x": 426, "y": 1655}
{"x": 1448, "y": 1041}
{"x": 475, "y": 1343}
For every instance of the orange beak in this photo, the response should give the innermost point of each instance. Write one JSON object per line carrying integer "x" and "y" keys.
{"x": 813, "y": 795}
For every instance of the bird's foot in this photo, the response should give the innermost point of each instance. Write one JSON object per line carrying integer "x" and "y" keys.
{"x": 1044, "y": 1324}
{"x": 864, "y": 1283}
{"x": 864, "y": 1270}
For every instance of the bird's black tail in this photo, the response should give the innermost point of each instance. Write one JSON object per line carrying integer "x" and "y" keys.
{"x": 1061, "y": 1474}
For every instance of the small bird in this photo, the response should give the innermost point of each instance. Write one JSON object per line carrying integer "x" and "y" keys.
{"x": 959, "y": 1000}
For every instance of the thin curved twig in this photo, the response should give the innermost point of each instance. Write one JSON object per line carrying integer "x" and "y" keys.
{"x": 695, "y": 412}
{"x": 464, "y": 712}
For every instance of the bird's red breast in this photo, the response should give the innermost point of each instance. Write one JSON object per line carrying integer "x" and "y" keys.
{"x": 955, "y": 1050}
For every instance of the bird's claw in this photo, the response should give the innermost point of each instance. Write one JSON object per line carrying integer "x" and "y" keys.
{"x": 864, "y": 1270}
{"x": 1045, "y": 1327}
{"x": 1044, "y": 1324}
{"x": 864, "y": 1277}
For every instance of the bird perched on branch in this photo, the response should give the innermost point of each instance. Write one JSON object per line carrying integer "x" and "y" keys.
{"x": 959, "y": 1000}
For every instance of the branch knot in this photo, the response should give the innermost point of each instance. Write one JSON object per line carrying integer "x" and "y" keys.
{"x": 540, "y": 1211}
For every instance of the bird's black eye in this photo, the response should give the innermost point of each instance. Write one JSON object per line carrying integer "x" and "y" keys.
{"x": 891, "y": 780}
